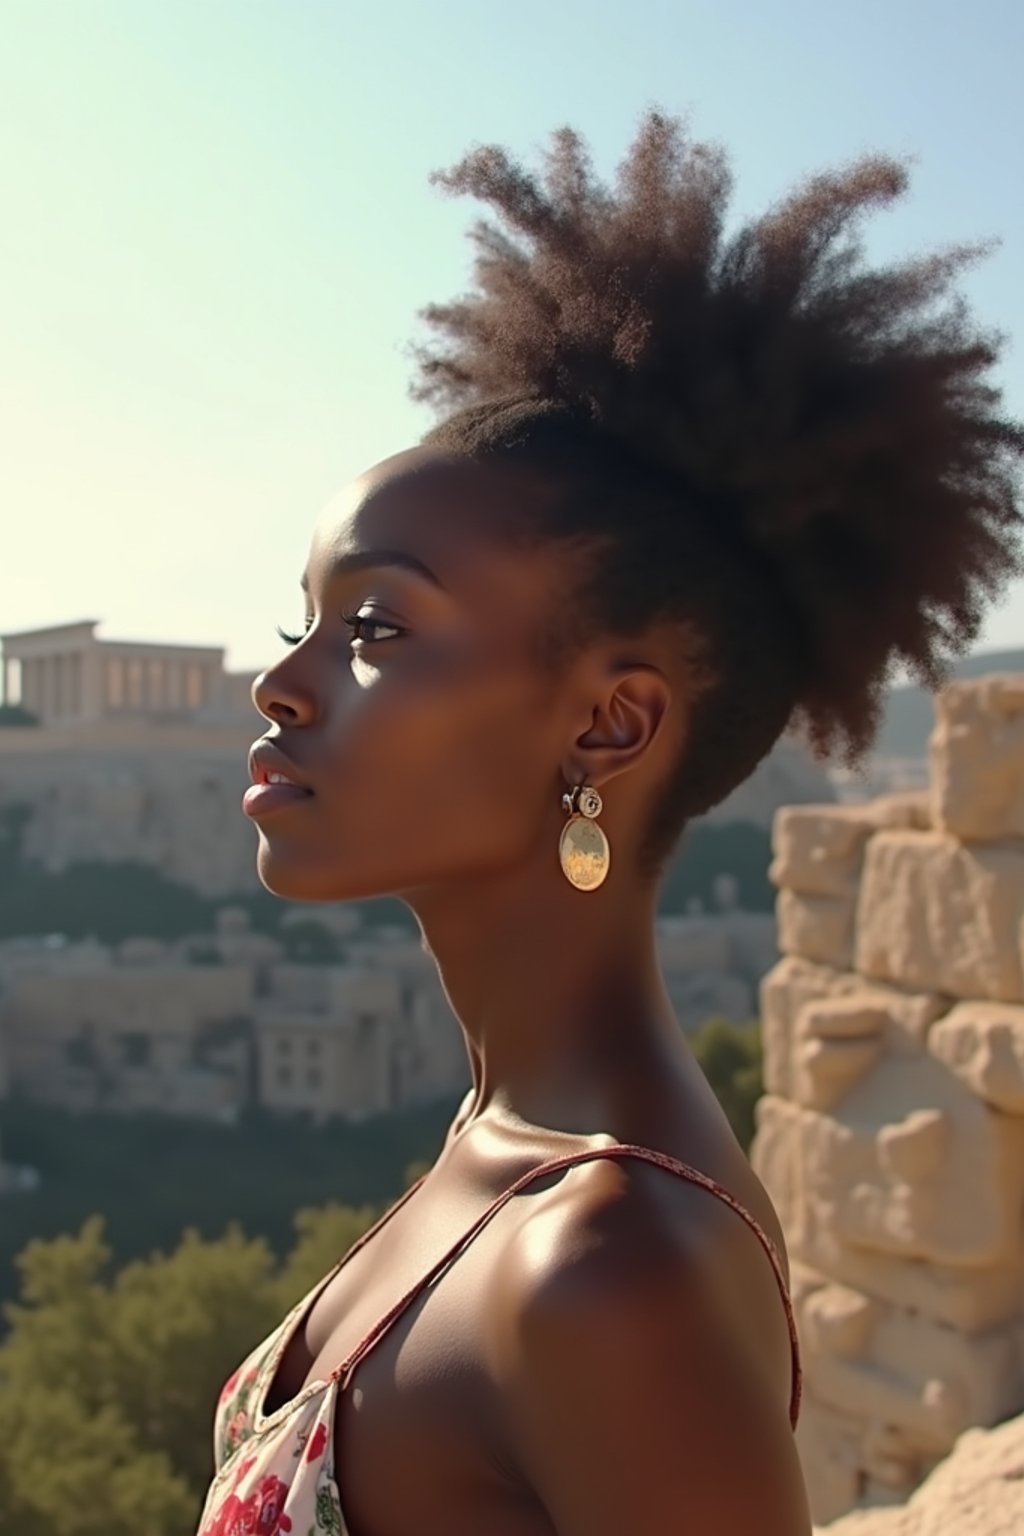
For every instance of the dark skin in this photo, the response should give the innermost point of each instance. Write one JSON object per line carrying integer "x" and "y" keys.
{"x": 610, "y": 1354}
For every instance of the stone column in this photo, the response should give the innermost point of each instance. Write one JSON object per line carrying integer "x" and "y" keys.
{"x": 49, "y": 676}
{"x": 75, "y": 702}
{"x": 30, "y": 683}
{"x": 92, "y": 696}
{"x": 155, "y": 675}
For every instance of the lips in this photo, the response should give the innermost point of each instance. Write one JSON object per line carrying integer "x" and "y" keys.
{"x": 262, "y": 797}
{"x": 265, "y": 758}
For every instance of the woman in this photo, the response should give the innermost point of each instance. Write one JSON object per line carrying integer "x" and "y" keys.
{"x": 691, "y": 492}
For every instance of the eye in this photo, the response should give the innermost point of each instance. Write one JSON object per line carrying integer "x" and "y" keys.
{"x": 292, "y": 639}
{"x": 359, "y": 623}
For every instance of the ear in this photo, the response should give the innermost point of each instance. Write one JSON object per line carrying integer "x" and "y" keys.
{"x": 625, "y": 721}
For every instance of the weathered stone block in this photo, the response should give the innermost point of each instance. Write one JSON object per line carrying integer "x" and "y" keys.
{"x": 983, "y": 1043}
{"x": 788, "y": 986}
{"x": 910, "y": 809}
{"x": 913, "y": 1164}
{"x": 818, "y": 928}
{"x": 775, "y": 1154}
{"x": 977, "y": 757}
{"x": 826, "y": 1069}
{"x": 836, "y": 1320}
{"x": 829, "y": 1445}
{"x": 937, "y": 915}
{"x": 912, "y": 1151}
{"x": 849, "y": 1016}
{"x": 818, "y": 848}
{"x": 928, "y": 1382}
{"x": 836, "y": 1040}
{"x": 970, "y": 1299}
{"x": 874, "y": 1178}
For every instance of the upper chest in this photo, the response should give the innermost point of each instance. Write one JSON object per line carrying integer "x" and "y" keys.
{"x": 372, "y": 1281}
{"x": 417, "y": 1433}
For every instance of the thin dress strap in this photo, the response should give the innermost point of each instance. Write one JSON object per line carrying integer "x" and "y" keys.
{"x": 663, "y": 1160}
{"x": 391, "y": 1210}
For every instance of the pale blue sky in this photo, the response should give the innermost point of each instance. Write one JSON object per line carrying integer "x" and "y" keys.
{"x": 217, "y": 229}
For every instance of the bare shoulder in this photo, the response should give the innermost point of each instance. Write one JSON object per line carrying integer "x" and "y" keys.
{"x": 638, "y": 1393}
{"x": 613, "y": 1218}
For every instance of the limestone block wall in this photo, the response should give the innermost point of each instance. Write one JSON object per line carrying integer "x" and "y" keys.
{"x": 891, "y": 1134}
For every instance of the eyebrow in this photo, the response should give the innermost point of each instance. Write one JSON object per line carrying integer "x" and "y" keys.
{"x": 365, "y": 559}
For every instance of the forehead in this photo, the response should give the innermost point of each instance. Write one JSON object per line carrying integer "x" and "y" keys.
{"x": 474, "y": 525}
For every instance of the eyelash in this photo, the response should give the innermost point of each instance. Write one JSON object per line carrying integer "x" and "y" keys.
{"x": 355, "y": 621}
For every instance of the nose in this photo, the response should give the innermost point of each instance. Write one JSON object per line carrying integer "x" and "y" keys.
{"x": 279, "y": 695}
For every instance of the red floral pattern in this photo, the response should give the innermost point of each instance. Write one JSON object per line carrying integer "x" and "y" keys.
{"x": 261, "y": 1514}
{"x": 317, "y": 1441}
{"x": 282, "y": 1482}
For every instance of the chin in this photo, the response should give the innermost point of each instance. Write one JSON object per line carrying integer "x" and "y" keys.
{"x": 295, "y": 880}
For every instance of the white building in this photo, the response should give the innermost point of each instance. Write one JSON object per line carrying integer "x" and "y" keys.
{"x": 66, "y": 676}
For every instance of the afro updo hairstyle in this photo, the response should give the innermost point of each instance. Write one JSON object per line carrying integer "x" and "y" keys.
{"x": 798, "y": 457}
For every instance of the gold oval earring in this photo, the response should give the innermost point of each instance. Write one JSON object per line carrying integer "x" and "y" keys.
{"x": 583, "y": 849}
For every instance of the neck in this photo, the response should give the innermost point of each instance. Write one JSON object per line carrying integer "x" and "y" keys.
{"x": 558, "y": 992}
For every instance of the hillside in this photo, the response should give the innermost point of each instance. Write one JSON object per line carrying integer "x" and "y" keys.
{"x": 907, "y": 722}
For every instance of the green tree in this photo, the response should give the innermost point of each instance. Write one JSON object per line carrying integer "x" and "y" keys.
{"x": 325, "y": 1235}
{"x": 108, "y": 1386}
{"x": 730, "y": 1058}
{"x": 17, "y": 714}
{"x": 72, "y": 1461}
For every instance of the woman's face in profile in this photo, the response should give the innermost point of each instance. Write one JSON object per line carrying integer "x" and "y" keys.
{"x": 430, "y": 734}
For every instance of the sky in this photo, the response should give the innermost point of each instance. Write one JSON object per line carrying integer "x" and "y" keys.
{"x": 218, "y": 230}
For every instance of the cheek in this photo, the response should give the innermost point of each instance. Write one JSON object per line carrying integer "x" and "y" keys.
{"x": 447, "y": 743}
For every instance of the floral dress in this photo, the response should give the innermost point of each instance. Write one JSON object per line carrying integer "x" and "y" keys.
{"x": 275, "y": 1474}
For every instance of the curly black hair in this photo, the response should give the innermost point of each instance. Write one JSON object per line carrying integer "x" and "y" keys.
{"x": 798, "y": 456}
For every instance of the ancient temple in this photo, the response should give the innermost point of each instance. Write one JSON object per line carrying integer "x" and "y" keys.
{"x": 66, "y": 676}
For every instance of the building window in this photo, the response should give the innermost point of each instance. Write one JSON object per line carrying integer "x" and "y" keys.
{"x": 313, "y": 1078}
{"x": 284, "y": 1047}
{"x": 284, "y": 1077}
{"x": 313, "y": 1049}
